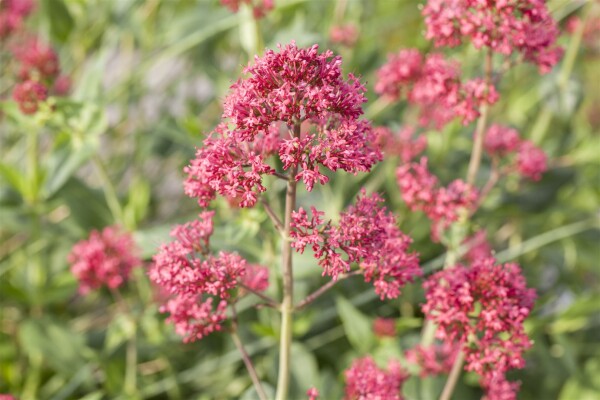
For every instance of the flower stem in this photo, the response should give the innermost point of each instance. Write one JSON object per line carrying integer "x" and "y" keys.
{"x": 130, "y": 385}
{"x": 110, "y": 192}
{"x": 270, "y": 302}
{"x": 317, "y": 293}
{"x": 271, "y": 213}
{"x": 287, "y": 304}
{"x": 453, "y": 377}
{"x": 480, "y": 129}
{"x": 260, "y": 391}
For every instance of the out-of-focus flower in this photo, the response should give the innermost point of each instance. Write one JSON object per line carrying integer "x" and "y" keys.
{"x": 433, "y": 83}
{"x": 12, "y": 14}
{"x": 28, "y": 95}
{"x": 260, "y": 8}
{"x": 312, "y": 393}
{"x": 256, "y": 277}
{"x": 37, "y": 59}
{"x": 402, "y": 144}
{"x": 479, "y": 247}
{"x": 62, "y": 85}
{"x": 421, "y": 191}
{"x": 531, "y": 161}
{"x": 384, "y": 327}
{"x": 506, "y": 27}
{"x": 482, "y": 308}
{"x": 365, "y": 380}
{"x": 501, "y": 140}
{"x": 435, "y": 359}
{"x": 346, "y": 35}
{"x": 106, "y": 258}
{"x": 368, "y": 235}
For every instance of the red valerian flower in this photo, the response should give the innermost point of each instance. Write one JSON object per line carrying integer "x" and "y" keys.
{"x": 200, "y": 284}
{"x": 435, "y": 359}
{"x": 346, "y": 35}
{"x": 501, "y": 140}
{"x": 531, "y": 161}
{"x": 292, "y": 85}
{"x": 12, "y": 14}
{"x": 260, "y": 8}
{"x": 478, "y": 246}
{"x": 482, "y": 307}
{"x": 106, "y": 258}
{"x": 506, "y": 27}
{"x": 433, "y": 84}
{"x": 312, "y": 393}
{"x": 37, "y": 57}
{"x": 402, "y": 144}
{"x": 365, "y": 380}
{"x": 420, "y": 190}
{"x": 384, "y": 327}
{"x": 368, "y": 235}
{"x": 291, "y": 89}
{"x": 28, "y": 95}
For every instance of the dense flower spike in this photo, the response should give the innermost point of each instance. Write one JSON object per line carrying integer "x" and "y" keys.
{"x": 402, "y": 144}
{"x": 106, "y": 258}
{"x": 420, "y": 190}
{"x": 12, "y": 14}
{"x": 293, "y": 85}
{"x": 200, "y": 284}
{"x": 506, "y": 27}
{"x": 346, "y": 35}
{"x": 433, "y": 360}
{"x": 368, "y": 235}
{"x": 433, "y": 83}
{"x": 500, "y": 140}
{"x": 260, "y": 8}
{"x": 531, "y": 161}
{"x": 365, "y": 380}
{"x": 28, "y": 95}
{"x": 482, "y": 308}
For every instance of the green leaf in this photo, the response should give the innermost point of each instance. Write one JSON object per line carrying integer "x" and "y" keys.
{"x": 13, "y": 177}
{"x": 61, "y": 21}
{"x": 305, "y": 371}
{"x": 357, "y": 326}
{"x": 64, "y": 163}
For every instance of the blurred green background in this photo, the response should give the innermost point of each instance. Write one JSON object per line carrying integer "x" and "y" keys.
{"x": 148, "y": 79}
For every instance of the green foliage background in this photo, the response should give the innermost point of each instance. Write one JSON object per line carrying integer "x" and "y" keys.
{"x": 149, "y": 77}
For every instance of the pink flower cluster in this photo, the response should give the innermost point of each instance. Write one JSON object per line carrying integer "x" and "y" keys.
{"x": 506, "y": 27}
{"x": 106, "y": 258}
{"x": 38, "y": 64}
{"x": 384, "y": 327}
{"x": 365, "y": 380}
{"x": 346, "y": 35}
{"x": 531, "y": 161}
{"x": 12, "y": 14}
{"x": 403, "y": 144}
{"x": 479, "y": 247}
{"x": 285, "y": 89}
{"x": 421, "y": 191}
{"x": 260, "y": 8}
{"x": 433, "y": 360}
{"x": 199, "y": 283}
{"x": 482, "y": 307}
{"x": 312, "y": 393}
{"x": 591, "y": 29}
{"x": 368, "y": 235}
{"x": 433, "y": 83}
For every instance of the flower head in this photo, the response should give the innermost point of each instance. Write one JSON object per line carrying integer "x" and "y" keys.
{"x": 312, "y": 393}
{"x": 200, "y": 284}
{"x": 106, "y": 258}
{"x": 37, "y": 58}
{"x": 28, "y": 95}
{"x": 421, "y": 191}
{"x": 531, "y": 161}
{"x": 12, "y": 14}
{"x": 365, "y": 380}
{"x": 260, "y": 8}
{"x": 482, "y": 308}
{"x": 366, "y": 235}
{"x": 501, "y": 140}
{"x": 506, "y": 27}
{"x": 435, "y": 359}
{"x": 346, "y": 35}
{"x": 384, "y": 327}
{"x": 402, "y": 144}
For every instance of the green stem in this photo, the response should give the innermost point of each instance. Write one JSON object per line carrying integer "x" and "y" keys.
{"x": 480, "y": 130}
{"x": 130, "y": 385}
{"x": 109, "y": 190}
{"x": 287, "y": 304}
{"x": 453, "y": 377}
